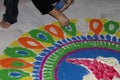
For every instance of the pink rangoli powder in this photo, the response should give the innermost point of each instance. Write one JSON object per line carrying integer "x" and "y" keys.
{"x": 101, "y": 70}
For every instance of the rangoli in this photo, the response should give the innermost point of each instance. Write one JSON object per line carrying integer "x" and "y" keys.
{"x": 54, "y": 52}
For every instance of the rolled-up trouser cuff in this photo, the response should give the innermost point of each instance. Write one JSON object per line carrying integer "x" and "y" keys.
{"x": 7, "y": 19}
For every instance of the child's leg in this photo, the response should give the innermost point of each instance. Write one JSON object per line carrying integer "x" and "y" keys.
{"x": 11, "y": 13}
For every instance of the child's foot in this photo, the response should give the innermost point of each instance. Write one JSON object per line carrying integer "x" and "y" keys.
{"x": 5, "y": 24}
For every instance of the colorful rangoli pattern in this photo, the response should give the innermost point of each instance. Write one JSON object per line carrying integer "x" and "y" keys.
{"x": 54, "y": 52}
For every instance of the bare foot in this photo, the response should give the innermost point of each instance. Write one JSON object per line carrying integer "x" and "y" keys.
{"x": 5, "y": 24}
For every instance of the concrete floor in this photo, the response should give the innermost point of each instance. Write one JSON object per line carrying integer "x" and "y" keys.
{"x": 30, "y": 18}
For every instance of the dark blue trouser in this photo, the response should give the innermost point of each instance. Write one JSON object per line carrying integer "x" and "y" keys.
{"x": 11, "y": 12}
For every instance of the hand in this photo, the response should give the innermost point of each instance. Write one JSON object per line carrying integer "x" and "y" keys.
{"x": 63, "y": 20}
